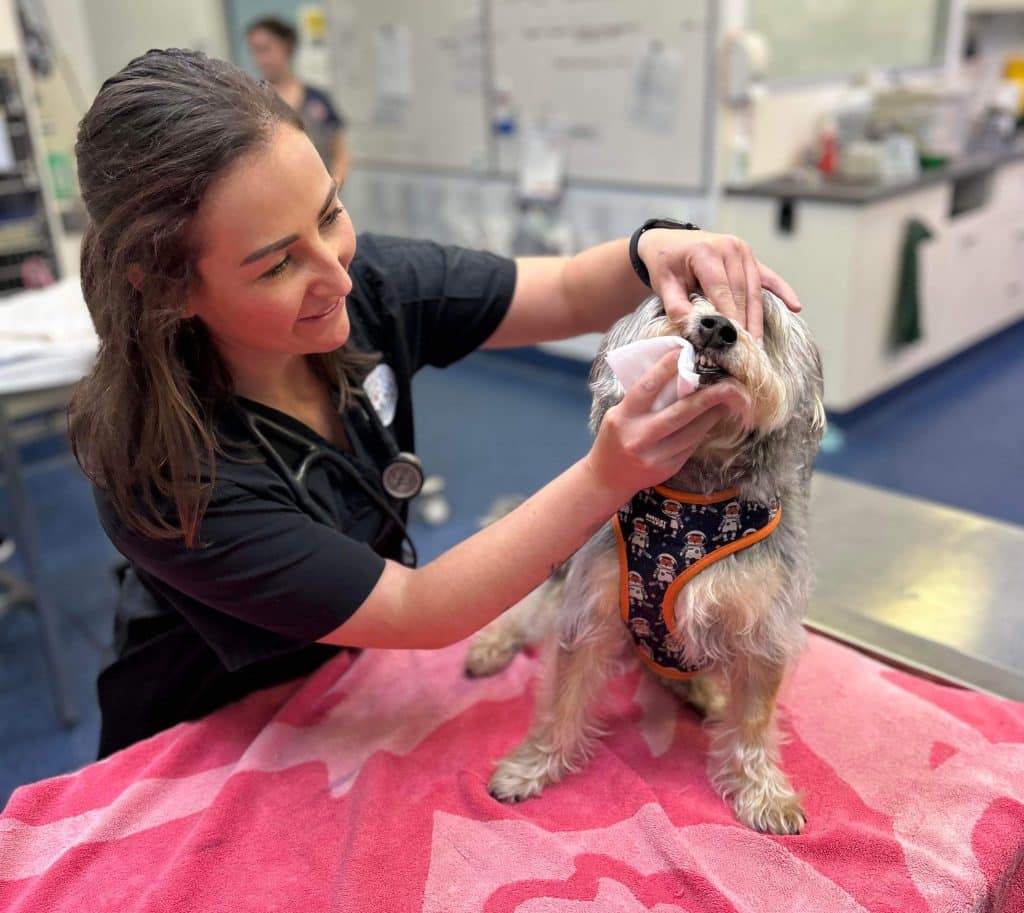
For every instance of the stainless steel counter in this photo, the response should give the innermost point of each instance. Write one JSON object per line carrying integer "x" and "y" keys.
{"x": 930, "y": 587}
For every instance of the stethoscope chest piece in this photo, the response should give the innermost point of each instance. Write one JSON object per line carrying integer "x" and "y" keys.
{"x": 402, "y": 478}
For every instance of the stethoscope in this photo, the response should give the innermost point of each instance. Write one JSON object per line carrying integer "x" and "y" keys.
{"x": 400, "y": 479}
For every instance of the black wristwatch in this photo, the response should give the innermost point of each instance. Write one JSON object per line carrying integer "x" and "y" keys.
{"x": 634, "y": 256}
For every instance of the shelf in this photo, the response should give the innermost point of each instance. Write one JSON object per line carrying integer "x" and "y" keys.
{"x": 995, "y": 6}
{"x": 36, "y": 247}
{"x": 25, "y": 227}
{"x": 8, "y": 188}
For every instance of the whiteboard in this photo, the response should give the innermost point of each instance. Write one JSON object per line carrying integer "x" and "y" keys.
{"x": 626, "y": 82}
{"x": 827, "y": 38}
{"x": 411, "y": 80}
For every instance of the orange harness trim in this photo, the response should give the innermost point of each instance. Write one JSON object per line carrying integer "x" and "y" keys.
{"x": 645, "y": 503}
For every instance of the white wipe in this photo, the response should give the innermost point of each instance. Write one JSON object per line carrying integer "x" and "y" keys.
{"x": 630, "y": 362}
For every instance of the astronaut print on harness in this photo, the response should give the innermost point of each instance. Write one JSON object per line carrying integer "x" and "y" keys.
{"x": 667, "y": 537}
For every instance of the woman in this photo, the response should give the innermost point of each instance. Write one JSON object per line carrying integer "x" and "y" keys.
{"x": 272, "y": 45}
{"x": 239, "y": 327}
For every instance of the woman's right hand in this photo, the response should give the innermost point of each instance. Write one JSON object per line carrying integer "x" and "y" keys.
{"x": 636, "y": 448}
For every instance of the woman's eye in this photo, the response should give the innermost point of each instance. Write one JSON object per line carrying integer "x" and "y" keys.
{"x": 276, "y": 270}
{"x": 332, "y": 217}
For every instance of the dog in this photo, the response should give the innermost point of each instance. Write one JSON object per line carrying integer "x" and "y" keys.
{"x": 732, "y": 615}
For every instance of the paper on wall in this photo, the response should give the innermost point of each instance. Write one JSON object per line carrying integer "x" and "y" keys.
{"x": 394, "y": 62}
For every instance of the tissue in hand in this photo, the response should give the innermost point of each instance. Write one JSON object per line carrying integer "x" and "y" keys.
{"x": 630, "y": 362}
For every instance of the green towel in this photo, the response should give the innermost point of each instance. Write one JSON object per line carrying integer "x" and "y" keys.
{"x": 906, "y": 323}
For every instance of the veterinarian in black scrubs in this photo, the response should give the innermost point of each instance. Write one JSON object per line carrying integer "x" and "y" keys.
{"x": 242, "y": 330}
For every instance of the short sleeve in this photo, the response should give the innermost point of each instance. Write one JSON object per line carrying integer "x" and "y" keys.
{"x": 267, "y": 578}
{"x": 334, "y": 120}
{"x": 332, "y": 117}
{"x": 446, "y": 301}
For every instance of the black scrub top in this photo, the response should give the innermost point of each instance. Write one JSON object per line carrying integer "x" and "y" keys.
{"x": 198, "y": 628}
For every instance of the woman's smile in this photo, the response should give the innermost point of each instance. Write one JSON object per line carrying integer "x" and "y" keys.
{"x": 331, "y": 308}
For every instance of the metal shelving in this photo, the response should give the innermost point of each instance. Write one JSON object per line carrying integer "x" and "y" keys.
{"x": 24, "y": 230}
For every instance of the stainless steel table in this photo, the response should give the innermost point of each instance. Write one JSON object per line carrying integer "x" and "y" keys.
{"x": 930, "y": 587}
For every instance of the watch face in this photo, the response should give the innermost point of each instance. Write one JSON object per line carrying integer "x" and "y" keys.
{"x": 402, "y": 479}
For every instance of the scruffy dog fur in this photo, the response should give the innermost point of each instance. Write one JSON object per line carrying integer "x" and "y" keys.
{"x": 743, "y": 612}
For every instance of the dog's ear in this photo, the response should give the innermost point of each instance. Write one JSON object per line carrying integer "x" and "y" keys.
{"x": 788, "y": 343}
{"x": 774, "y": 318}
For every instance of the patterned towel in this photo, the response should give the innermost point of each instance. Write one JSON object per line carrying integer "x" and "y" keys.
{"x": 363, "y": 789}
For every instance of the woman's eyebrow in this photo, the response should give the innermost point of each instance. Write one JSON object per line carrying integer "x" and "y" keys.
{"x": 261, "y": 252}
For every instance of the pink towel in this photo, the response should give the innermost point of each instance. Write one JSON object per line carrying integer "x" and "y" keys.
{"x": 363, "y": 788}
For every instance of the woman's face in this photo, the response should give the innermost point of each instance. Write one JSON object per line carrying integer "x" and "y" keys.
{"x": 271, "y": 55}
{"x": 275, "y": 249}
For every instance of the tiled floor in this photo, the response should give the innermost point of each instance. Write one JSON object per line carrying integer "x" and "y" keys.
{"x": 496, "y": 425}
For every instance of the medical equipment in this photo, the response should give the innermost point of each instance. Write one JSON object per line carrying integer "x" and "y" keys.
{"x": 400, "y": 479}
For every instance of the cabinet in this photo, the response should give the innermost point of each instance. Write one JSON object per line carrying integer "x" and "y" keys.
{"x": 844, "y": 259}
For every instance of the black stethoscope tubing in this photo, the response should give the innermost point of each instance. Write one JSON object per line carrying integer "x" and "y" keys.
{"x": 296, "y": 480}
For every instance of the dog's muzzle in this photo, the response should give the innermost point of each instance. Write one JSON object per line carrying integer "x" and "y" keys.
{"x": 715, "y": 335}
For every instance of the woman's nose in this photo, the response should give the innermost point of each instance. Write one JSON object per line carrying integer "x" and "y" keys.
{"x": 332, "y": 278}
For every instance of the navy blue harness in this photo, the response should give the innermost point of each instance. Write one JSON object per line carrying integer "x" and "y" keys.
{"x": 665, "y": 539}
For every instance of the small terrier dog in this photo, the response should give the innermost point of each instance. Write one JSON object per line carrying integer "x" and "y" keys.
{"x": 708, "y": 575}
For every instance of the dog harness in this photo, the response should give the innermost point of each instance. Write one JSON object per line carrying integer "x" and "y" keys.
{"x": 665, "y": 539}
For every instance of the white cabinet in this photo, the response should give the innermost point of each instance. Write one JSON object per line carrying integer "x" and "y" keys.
{"x": 844, "y": 260}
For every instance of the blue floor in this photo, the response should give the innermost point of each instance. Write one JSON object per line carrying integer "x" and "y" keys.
{"x": 955, "y": 436}
{"x": 496, "y": 425}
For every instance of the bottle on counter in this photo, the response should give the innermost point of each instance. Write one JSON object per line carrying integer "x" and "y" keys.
{"x": 828, "y": 149}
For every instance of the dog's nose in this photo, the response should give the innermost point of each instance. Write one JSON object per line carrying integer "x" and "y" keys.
{"x": 716, "y": 332}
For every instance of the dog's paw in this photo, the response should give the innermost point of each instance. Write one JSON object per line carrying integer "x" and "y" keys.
{"x": 770, "y": 812}
{"x": 488, "y": 656}
{"x": 522, "y": 775}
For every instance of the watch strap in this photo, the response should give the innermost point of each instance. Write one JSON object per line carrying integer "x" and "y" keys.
{"x": 639, "y": 267}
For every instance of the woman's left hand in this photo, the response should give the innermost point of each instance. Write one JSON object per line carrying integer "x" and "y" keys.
{"x": 722, "y": 266}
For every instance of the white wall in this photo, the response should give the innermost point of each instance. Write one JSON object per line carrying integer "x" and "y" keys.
{"x": 119, "y": 30}
{"x": 9, "y": 38}
{"x": 69, "y": 24}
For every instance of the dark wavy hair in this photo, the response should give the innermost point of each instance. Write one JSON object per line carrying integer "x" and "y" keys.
{"x": 142, "y": 422}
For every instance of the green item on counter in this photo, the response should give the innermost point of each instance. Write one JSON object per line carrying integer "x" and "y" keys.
{"x": 906, "y": 324}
